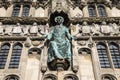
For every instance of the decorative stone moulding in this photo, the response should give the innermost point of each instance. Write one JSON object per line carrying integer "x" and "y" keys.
{"x": 45, "y": 20}
{"x": 23, "y": 20}
{"x": 82, "y": 43}
{"x": 36, "y": 43}
{"x": 75, "y": 69}
{"x": 78, "y": 3}
{"x": 43, "y": 69}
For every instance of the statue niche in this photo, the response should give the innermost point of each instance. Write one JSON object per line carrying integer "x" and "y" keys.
{"x": 59, "y": 49}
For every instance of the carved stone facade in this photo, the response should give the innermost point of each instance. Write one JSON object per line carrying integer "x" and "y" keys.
{"x": 95, "y": 51}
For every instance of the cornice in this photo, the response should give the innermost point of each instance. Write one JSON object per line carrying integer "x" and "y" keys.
{"x": 44, "y": 20}
{"x": 95, "y": 20}
{"x": 23, "y": 20}
{"x": 13, "y": 38}
{"x": 99, "y": 38}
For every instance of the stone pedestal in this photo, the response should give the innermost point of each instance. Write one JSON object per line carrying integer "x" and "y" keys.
{"x": 59, "y": 64}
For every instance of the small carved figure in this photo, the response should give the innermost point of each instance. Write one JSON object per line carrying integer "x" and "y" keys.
{"x": 85, "y": 29}
{"x": 8, "y": 30}
{"x": 25, "y": 29}
{"x": 115, "y": 29}
{"x": 34, "y": 29}
{"x": 95, "y": 29}
{"x": 108, "y": 2}
{"x": 83, "y": 2}
{"x": 17, "y": 29}
{"x": 105, "y": 29}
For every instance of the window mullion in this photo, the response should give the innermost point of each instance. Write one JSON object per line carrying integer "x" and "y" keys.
{"x": 109, "y": 56}
{"x": 96, "y": 10}
{"x": 21, "y": 10}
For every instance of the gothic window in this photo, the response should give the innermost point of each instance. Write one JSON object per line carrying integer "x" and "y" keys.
{"x": 12, "y": 77}
{"x": 3, "y": 55}
{"x": 91, "y": 10}
{"x": 15, "y": 58}
{"x": 16, "y": 10}
{"x": 101, "y": 11}
{"x": 115, "y": 53}
{"x": 103, "y": 57}
{"x": 26, "y": 9}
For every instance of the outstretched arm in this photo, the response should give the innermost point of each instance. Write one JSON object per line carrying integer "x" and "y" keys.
{"x": 69, "y": 35}
{"x": 48, "y": 36}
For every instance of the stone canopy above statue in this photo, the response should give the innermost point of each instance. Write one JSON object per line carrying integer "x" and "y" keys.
{"x": 55, "y": 14}
{"x": 59, "y": 5}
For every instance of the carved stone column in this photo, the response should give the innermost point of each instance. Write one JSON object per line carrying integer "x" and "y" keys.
{"x": 74, "y": 54}
{"x": 44, "y": 60}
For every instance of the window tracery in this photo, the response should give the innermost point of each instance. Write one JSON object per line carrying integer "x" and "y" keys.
{"x": 16, "y": 10}
{"x": 16, "y": 54}
{"x": 4, "y": 54}
{"x": 115, "y": 53}
{"x": 103, "y": 56}
{"x": 91, "y": 10}
{"x": 101, "y": 11}
{"x": 26, "y": 9}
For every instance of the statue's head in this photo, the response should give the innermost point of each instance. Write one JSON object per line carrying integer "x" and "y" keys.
{"x": 59, "y": 19}
{"x": 34, "y": 23}
{"x": 0, "y": 23}
{"x": 18, "y": 24}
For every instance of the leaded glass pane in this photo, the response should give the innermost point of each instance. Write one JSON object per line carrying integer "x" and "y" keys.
{"x": 3, "y": 55}
{"x": 15, "y": 58}
{"x": 115, "y": 55}
{"x": 92, "y": 12}
{"x": 103, "y": 57}
{"x": 26, "y": 10}
{"x": 101, "y": 11}
{"x": 16, "y": 10}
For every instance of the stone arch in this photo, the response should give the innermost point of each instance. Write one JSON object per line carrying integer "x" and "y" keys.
{"x": 4, "y": 43}
{"x": 108, "y": 76}
{"x": 18, "y": 43}
{"x": 50, "y": 77}
{"x": 70, "y": 77}
{"x": 34, "y": 51}
{"x": 33, "y": 63}
{"x": 101, "y": 43}
{"x": 84, "y": 50}
{"x": 86, "y": 63}
{"x": 12, "y": 76}
{"x": 114, "y": 43}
